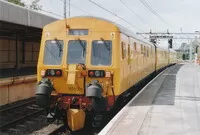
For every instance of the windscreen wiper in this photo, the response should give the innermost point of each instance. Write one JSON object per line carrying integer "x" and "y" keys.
{"x": 83, "y": 46}
{"x": 59, "y": 46}
{"x": 105, "y": 44}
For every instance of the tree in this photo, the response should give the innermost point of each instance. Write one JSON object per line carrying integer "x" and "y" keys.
{"x": 35, "y": 5}
{"x": 17, "y": 2}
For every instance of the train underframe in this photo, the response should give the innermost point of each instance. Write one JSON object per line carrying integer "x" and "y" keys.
{"x": 76, "y": 111}
{"x": 73, "y": 109}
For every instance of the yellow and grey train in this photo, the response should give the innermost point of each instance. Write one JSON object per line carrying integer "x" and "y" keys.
{"x": 86, "y": 63}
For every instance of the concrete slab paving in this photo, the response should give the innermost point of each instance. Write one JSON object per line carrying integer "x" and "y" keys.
{"x": 169, "y": 105}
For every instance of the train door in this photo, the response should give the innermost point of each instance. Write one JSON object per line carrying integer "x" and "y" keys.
{"x": 145, "y": 61}
{"x": 124, "y": 66}
{"x": 139, "y": 62}
{"x": 134, "y": 63}
{"x": 148, "y": 61}
{"x": 142, "y": 62}
{"x": 129, "y": 65}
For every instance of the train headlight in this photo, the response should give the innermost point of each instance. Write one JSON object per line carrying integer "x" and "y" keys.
{"x": 52, "y": 72}
{"x": 97, "y": 73}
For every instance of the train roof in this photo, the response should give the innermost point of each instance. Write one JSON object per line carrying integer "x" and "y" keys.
{"x": 123, "y": 30}
{"x": 120, "y": 27}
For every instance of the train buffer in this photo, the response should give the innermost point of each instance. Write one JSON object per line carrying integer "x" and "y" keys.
{"x": 168, "y": 105}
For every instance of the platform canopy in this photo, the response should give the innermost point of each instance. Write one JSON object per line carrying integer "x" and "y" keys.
{"x": 19, "y": 15}
{"x": 17, "y": 20}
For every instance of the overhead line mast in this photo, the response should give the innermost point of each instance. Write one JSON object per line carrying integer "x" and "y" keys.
{"x": 77, "y": 8}
{"x": 65, "y": 5}
{"x": 170, "y": 36}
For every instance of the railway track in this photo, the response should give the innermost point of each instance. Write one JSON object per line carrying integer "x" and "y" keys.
{"x": 21, "y": 118}
{"x": 52, "y": 129}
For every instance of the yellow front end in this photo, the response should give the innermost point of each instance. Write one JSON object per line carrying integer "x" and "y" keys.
{"x": 72, "y": 81}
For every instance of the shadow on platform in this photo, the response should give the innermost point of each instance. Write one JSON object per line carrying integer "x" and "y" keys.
{"x": 167, "y": 91}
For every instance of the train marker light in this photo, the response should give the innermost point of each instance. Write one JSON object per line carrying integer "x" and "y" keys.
{"x": 91, "y": 73}
{"x": 53, "y": 72}
{"x": 58, "y": 73}
{"x": 96, "y": 73}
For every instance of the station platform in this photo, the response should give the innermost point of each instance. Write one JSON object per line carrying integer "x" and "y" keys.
{"x": 168, "y": 105}
{"x": 17, "y": 88}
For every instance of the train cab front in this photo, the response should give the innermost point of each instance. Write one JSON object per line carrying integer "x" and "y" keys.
{"x": 73, "y": 81}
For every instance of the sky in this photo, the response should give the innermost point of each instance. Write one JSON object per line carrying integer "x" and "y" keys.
{"x": 175, "y": 15}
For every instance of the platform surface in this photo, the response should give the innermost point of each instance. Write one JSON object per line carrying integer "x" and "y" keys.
{"x": 169, "y": 105}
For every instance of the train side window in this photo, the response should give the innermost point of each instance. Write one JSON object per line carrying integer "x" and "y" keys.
{"x": 144, "y": 50}
{"x": 141, "y": 49}
{"x": 135, "y": 46}
{"x": 147, "y": 52}
{"x": 123, "y": 45}
{"x": 122, "y": 49}
{"x": 129, "y": 51}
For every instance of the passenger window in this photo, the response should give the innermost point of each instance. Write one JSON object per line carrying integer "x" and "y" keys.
{"x": 129, "y": 54}
{"x": 141, "y": 49}
{"x": 135, "y": 46}
{"x": 144, "y": 51}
